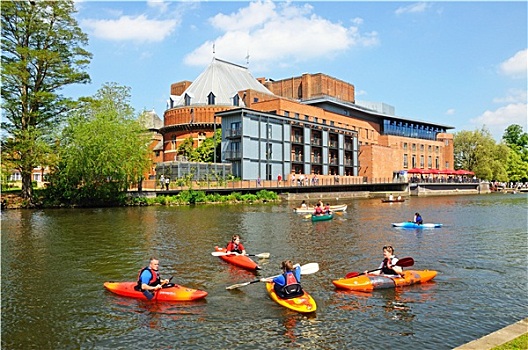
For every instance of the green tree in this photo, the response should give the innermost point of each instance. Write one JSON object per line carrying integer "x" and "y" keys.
{"x": 477, "y": 151}
{"x": 41, "y": 54}
{"x": 186, "y": 149}
{"x": 104, "y": 149}
{"x": 203, "y": 153}
{"x": 517, "y": 164}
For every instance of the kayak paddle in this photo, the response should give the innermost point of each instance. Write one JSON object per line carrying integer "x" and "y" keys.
{"x": 261, "y": 255}
{"x": 305, "y": 270}
{"x": 403, "y": 262}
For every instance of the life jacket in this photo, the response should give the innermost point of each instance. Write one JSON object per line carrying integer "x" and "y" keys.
{"x": 291, "y": 289}
{"x": 385, "y": 269}
{"x": 154, "y": 279}
{"x": 233, "y": 247}
{"x": 318, "y": 210}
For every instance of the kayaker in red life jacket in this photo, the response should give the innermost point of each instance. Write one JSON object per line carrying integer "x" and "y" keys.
{"x": 235, "y": 247}
{"x": 149, "y": 279}
{"x": 318, "y": 209}
{"x": 387, "y": 266}
{"x": 326, "y": 209}
{"x": 287, "y": 285}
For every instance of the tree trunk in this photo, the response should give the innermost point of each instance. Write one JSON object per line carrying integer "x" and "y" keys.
{"x": 27, "y": 188}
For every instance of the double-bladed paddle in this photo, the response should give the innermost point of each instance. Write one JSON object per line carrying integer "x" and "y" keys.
{"x": 403, "y": 262}
{"x": 305, "y": 270}
{"x": 261, "y": 255}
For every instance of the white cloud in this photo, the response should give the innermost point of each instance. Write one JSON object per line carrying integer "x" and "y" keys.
{"x": 516, "y": 66}
{"x": 127, "y": 28}
{"x": 413, "y": 8}
{"x": 514, "y": 96}
{"x": 450, "y": 111}
{"x": 499, "y": 119}
{"x": 161, "y": 5}
{"x": 274, "y": 33}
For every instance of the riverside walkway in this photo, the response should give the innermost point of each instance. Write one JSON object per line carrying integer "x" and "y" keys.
{"x": 497, "y": 338}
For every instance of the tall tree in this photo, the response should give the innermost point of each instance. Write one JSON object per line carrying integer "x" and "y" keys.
{"x": 104, "y": 150}
{"x": 41, "y": 54}
{"x": 517, "y": 140}
{"x": 478, "y": 151}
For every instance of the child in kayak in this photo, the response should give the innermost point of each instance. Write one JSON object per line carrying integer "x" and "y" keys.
{"x": 287, "y": 285}
{"x": 388, "y": 265}
{"x": 235, "y": 247}
{"x": 318, "y": 210}
{"x": 418, "y": 219}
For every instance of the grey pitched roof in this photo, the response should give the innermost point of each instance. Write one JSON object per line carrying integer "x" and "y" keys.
{"x": 224, "y": 80}
{"x": 150, "y": 120}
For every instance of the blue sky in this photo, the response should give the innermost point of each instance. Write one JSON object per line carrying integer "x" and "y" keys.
{"x": 462, "y": 64}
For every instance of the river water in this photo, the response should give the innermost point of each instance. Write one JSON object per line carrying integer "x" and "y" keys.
{"x": 54, "y": 263}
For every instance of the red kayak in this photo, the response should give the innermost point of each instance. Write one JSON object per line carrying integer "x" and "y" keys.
{"x": 238, "y": 260}
{"x": 173, "y": 293}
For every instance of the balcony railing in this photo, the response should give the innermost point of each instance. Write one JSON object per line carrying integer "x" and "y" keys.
{"x": 234, "y": 133}
{"x": 232, "y": 154}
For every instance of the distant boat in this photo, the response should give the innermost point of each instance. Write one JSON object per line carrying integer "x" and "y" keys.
{"x": 322, "y": 217}
{"x": 410, "y": 224}
{"x": 392, "y": 200}
{"x": 310, "y": 210}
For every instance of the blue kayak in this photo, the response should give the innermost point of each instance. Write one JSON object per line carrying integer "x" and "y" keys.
{"x": 408, "y": 224}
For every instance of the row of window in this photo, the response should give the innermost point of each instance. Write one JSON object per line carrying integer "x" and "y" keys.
{"x": 406, "y": 129}
{"x": 422, "y": 147}
{"x": 422, "y": 162}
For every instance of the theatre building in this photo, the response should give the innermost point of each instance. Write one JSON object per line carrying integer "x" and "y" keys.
{"x": 310, "y": 124}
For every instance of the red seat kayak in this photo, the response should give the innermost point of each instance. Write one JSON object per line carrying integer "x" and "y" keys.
{"x": 368, "y": 283}
{"x": 238, "y": 260}
{"x": 174, "y": 293}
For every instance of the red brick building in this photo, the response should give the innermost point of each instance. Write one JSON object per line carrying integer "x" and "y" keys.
{"x": 388, "y": 144}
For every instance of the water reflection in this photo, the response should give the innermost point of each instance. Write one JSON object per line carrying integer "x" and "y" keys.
{"x": 475, "y": 259}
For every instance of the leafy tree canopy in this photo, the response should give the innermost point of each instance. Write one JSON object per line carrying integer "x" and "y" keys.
{"x": 103, "y": 150}
{"x": 42, "y": 52}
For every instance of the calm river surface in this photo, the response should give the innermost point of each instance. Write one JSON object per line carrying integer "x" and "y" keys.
{"x": 54, "y": 263}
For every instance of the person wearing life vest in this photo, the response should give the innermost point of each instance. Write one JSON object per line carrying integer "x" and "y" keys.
{"x": 287, "y": 285}
{"x": 235, "y": 247}
{"x": 149, "y": 279}
{"x": 318, "y": 209}
{"x": 388, "y": 265}
{"x": 418, "y": 219}
{"x": 326, "y": 209}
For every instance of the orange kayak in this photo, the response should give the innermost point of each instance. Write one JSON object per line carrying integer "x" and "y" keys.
{"x": 238, "y": 260}
{"x": 304, "y": 304}
{"x": 368, "y": 283}
{"x": 174, "y": 293}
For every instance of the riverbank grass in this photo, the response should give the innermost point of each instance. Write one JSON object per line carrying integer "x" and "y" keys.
{"x": 519, "y": 343}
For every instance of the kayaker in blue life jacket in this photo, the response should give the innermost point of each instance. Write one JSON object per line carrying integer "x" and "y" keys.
{"x": 235, "y": 247}
{"x": 388, "y": 265}
{"x": 418, "y": 219}
{"x": 287, "y": 285}
{"x": 149, "y": 279}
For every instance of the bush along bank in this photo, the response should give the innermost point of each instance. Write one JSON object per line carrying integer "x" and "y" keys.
{"x": 189, "y": 197}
